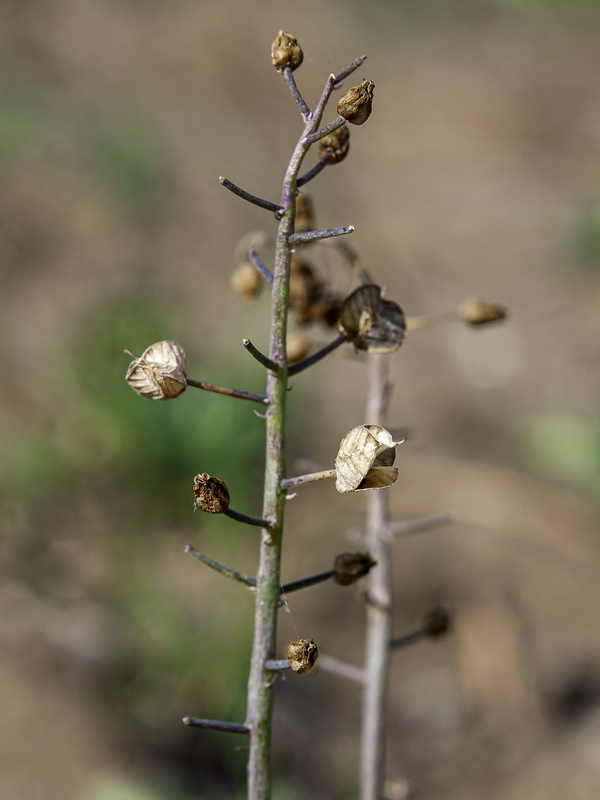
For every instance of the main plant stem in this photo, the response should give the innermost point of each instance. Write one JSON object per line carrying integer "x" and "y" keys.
{"x": 379, "y": 610}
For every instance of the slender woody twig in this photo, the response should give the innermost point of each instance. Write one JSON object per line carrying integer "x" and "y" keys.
{"x": 211, "y": 387}
{"x": 260, "y": 357}
{"x": 251, "y": 198}
{"x": 315, "y": 357}
{"x": 228, "y": 572}
{"x": 313, "y": 236}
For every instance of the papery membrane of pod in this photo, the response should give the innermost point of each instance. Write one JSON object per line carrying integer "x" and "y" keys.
{"x": 371, "y": 323}
{"x": 349, "y": 567}
{"x": 159, "y": 373}
{"x": 302, "y": 655}
{"x": 356, "y": 105}
{"x": 286, "y": 52}
{"x": 210, "y": 494}
{"x": 364, "y": 459}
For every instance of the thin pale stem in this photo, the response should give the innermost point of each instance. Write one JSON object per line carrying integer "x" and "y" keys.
{"x": 260, "y": 357}
{"x": 228, "y": 572}
{"x": 315, "y": 357}
{"x": 313, "y": 172}
{"x": 409, "y": 638}
{"x": 408, "y": 526}
{"x": 326, "y": 130}
{"x": 341, "y": 668}
{"x": 418, "y": 323}
{"x": 260, "y": 266}
{"x": 290, "y": 483}
{"x": 211, "y": 387}
{"x": 251, "y": 198}
{"x": 314, "y": 236}
{"x": 379, "y": 609}
{"x": 216, "y": 725}
{"x": 303, "y": 583}
{"x": 277, "y": 664}
{"x": 298, "y": 99}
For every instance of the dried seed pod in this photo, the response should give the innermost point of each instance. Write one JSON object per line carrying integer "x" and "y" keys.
{"x": 364, "y": 460}
{"x": 302, "y": 655}
{"x": 335, "y": 146}
{"x": 437, "y": 621}
{"x": 479, "y": 312}
{"x": 370, "y": 322}
{"x": 356, "y": 105}
{"x": 159, "y": 373}
{"x": 305, "y": 214}
{"x": 286, "y": 52}
{"x": 349, "y": 567}
{"x": 210, "y": 494}
{"x": 305, "y": 287}
{"x": 297, "y": 346}
{"x": 246, "y": 280}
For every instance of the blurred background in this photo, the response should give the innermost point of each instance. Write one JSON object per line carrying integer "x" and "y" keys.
{"x": 477, "y": 174}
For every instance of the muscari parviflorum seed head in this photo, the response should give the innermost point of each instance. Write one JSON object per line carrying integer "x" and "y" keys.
{"x": 210, "y": 494}
{"x": 302, "y": 655}
{"x": 286, "y": 52}
{"x": 159, "y": 373}
{"x": 356, "y": 105}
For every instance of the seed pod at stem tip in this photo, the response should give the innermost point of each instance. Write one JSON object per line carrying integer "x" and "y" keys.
{"x": 356, "y": 105}
{"x": 349, "y": 567}
{"x": 302, "y": 654}
{"x": 335, "y": 146}
{"x": 286, "y": 52}
{"x": 437, "y": 622}
{"x": 364, "y": 460}
{"x": 159, "y": 373}
{"x": 480, "y": 312}
{"x": 210, "y": 494}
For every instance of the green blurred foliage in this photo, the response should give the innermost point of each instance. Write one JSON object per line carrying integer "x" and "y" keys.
{"x": 586, "y": 239}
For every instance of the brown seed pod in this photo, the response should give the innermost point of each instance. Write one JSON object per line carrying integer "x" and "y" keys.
{"x": 302, "y": 655}
{"x": 479, "y": 312}
{"x": 298, "y": 345}
{"x": 370, "y": 322}
{"x": 364, "y": 460}
{"x": 210, "y": 494}
{"x": 437, "y": 621}
{"x": 246, "y": 280}
{"x": 356, "y": 105}
{"x": 305, "y": 214}
{"x": 335, "y": 146}
{"x": 349, "y": 567}
{"x": 305, "y": 287}
{"x": 286, "y": 52}
{"x": 159, "y": 373}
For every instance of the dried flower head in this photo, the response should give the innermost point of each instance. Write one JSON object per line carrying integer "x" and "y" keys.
{"x": 246, "y": 280}
{"x": 370, "y": 322}
{"x": 286, "y": 52}
{"x": 302, "y": 655}
{"x": 364, "y": 460}
{"x": 479, "y": 312}
{"x": 305, "y": 214}
{"x": 297, "y": 345}
{"x": 210, "y": 494}
{"x": 356, "y": 105}
{"x": 335, "y": 146}
{"x": 437, "y": 621}
{"x": 159, "y": 373}
{"x": 349, "y": 567}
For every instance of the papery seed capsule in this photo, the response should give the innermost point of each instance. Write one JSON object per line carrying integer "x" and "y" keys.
{"x": 356, "y": 105}
{"x": 364, "y": 460}
{"x": 302, "y": 655}
{"x": 349, "y": 567}
{"x": 305, "y": 287}
{"x": 335, "y": 146}
{"x": 159, "y": 373}
{"x": 479, "y": 312}
{"x": 286, "y": 52}
{"x": 246, "y": 280}
{"x": 370, "y": 322}
{"x": 210, "y": 494}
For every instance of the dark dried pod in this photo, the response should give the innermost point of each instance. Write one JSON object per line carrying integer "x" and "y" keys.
{"x": 302, "y": 655}
{"x": 210, "y": 494}
{"x": 335, "y": 146}
{"x": 437, "y": 621}
{"x": 349, "y": 567}
{"x": 479, "y": 312}
{"x": 159, "y": 373}
{"x": 305, "y": 287}
{"x": 305, "y": 214}
{"x": 297, "y": 346}
{"x": 286, "y": 52}
{"x": 356, "y": 105}
{"x": 246, "y": 280}
{"x": 370, "y": 322}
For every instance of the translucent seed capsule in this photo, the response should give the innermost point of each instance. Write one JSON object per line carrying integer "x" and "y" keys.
{"x": 364, "y": 460}
{"x": 159, "y": 373}
{"x": 370, "y": 322}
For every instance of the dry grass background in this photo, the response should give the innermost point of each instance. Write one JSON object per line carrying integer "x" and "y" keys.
{"x": 477, "y": 174}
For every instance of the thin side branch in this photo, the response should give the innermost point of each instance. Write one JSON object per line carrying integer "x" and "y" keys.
{"x": 259, "y": 522}
{"x": 299, "y": 100}
{"x": 314, "y": 236}
{"x": 260, "y": 357}
{"x": 276, "y": 665}
{"x": 303, "y": 583}
{"x": 216, "y": 725}
{"x": 260, "y": 266}
{"x": 290, "y": 483}
{"x": 417, "y": 525}
{"x": 409, "y": 638}
{"x": 326, "y": 130}
{"x": 341, "y": 668}
{"x": 315, "y": 357}
{"x": 251, "y": 198}
{"x": 228, "y": 572}
{"x": 211, "y": 387}
{"x": 313, "y": 172}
